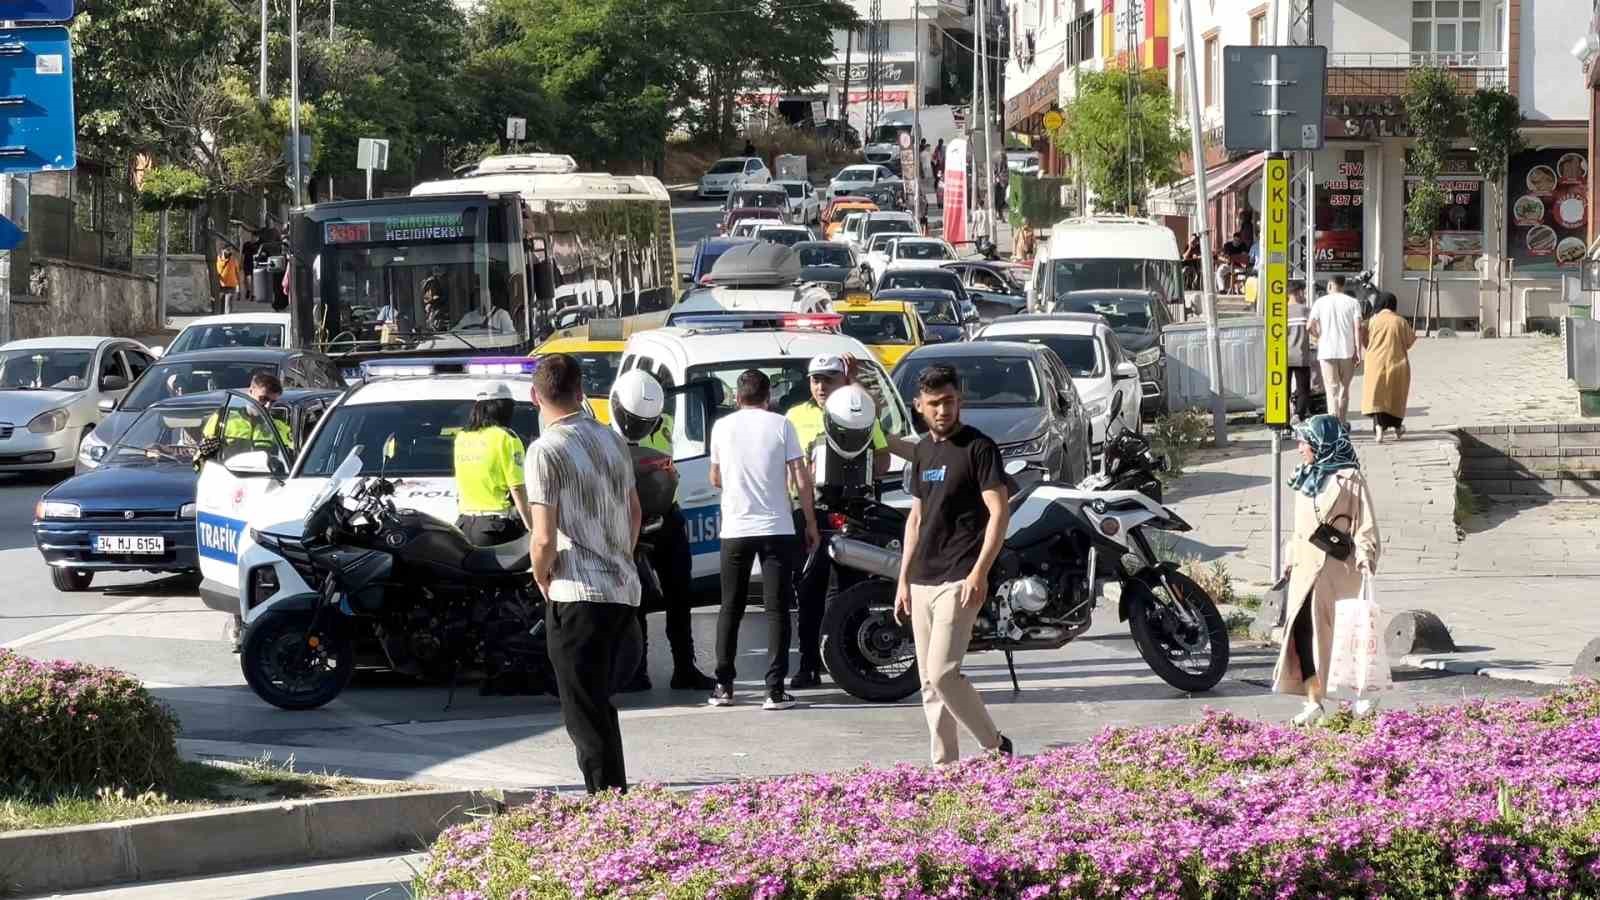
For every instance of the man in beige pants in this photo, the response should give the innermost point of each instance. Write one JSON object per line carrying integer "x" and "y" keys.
{"x": 1335, "y": 321}
{"x": 957, "y": 523}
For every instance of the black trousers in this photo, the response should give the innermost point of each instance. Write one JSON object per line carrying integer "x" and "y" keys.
{"x": 592, "y": 645}
{"x": 811, "y": 593}
{"x": 1303, "y": 644}
{"x": 1300, "y": 382}
{"x": 1384, "y": 420}
{"x": 487, "y": 531}
{"x": 674, "y": 565}
{"x": 779, "y": 561}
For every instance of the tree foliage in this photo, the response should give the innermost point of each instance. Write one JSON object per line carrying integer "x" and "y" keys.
{"x": 1123, "y": 149}
{"x": 1433, "y": 107}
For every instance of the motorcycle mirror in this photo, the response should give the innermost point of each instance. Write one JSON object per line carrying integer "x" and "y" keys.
{"x": 1016, "y": 467}
{"x": 389, "y": 448}
{"x": 1116, "y": 406}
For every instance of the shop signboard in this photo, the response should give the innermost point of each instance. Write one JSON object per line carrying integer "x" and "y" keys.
{"x": 1456, "y": 243}
{"x": 1339, "y": 216}
{"x": 888, "y": 73}
{"x": 1548, "y": 218}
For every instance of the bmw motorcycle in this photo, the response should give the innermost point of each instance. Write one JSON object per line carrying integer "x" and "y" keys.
{"x": 1063, "y": 544}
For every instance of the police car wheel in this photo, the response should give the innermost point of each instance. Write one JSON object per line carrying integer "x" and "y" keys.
{"x": 293, "y": 668}
{"x": 70, "y": 581}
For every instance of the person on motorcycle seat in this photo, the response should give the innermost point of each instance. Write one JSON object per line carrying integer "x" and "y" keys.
{"x": 490, "y": 485}
{"x": 239, "y": 428}
{"x": 638, "y": 406}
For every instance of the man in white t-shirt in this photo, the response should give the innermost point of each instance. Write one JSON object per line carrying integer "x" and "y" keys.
{"x": 754, "y": 454}
{"x": 1335, "y": 322}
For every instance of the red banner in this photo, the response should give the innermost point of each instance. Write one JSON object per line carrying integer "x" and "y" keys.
{"x": 955, "y": 191}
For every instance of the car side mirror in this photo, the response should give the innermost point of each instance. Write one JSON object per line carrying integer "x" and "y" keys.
{"x": 156, "y": 352}
{"x": 1126, "y": 370}
{"x": 1065, "y": 398}
{"x": 107, "y": 404}
{"x": 113, "y": 383}
{"x": 255, "y": 464}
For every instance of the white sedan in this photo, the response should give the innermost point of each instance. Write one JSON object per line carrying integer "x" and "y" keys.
{"x": 747, "y": 227}
{"x": 881, "y": 250}
{"x": 232, "y": 330}
{"x": 787, "y": 235}
{"x": 804, "y": 208}
{"x": 854, "y": 179}
{"x": 53, "y": 391}
{"x": 919, "y": 252}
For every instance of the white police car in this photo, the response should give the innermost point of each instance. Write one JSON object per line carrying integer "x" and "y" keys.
{"x": 712, "y": 350}
{"x": 419, "y": 404}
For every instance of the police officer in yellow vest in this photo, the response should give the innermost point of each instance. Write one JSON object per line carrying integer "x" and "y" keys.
{"x": 264, "y": 389}
{"x": 492, "y": 501}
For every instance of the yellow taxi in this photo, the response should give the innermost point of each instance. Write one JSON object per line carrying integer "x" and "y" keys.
{"x": 598, "y": 358}
{"x": 889, "y": 328}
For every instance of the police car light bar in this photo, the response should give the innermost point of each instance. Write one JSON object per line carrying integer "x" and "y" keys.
{"x": 449, "y": 365}
{"x": 756, "y": 321}
{"x": 502, "y": 365}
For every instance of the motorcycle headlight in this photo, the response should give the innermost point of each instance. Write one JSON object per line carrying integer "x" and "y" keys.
{"x": 92, "y": 450}
{"x": 1147, "y": 357}
{"x": 1024, "y": 448}
{"x": 1096, "y": 408}
{"x": 49, "y": 422}
{"x": 57, "y": 509}
{"x": 186, "y": 511}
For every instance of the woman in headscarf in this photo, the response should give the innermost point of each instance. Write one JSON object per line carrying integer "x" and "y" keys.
{"x": 1329, "y": 489}
{"x": 1386, "y": 380}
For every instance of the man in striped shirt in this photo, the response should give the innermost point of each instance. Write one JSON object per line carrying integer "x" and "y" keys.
{"x": 585, "y": 525}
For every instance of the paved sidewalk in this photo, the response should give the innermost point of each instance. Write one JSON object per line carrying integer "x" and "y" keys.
{"x": 1514, "y": 583}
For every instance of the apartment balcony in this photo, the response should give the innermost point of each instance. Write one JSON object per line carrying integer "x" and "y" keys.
{"x": 1384, "y": 74}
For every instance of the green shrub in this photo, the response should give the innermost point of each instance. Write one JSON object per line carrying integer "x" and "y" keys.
{"x": 1214, "y": 579}
{"x": 1177, "y": 434}
{"x": 66, "y": 726}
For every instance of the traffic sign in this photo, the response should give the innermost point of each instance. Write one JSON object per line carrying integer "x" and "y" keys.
{"x": 38, "y": 126}
{"x": 1275, "y": 258}
{"x": 516, "y": 128}
{"x": 1053, "y": 120}
{"x": 1248, "y": 117}
{"x": 11, "y": 237}
{"x": 36, "y": 10}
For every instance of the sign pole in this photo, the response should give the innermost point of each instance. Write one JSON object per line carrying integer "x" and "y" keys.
{"x": 1219, "y": 409}
{"x": 294, "y": 95}
{"x": 5, "y": 264}
{"x": 1276, "y": 308}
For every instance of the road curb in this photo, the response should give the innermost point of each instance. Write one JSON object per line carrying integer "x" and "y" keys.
{"x": 216, "y": 842}
{"x": 1482, "y": 669}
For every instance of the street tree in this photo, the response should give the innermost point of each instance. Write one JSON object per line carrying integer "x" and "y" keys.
{"x": 1122, "y": 134}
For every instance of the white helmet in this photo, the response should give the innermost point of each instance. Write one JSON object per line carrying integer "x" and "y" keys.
{"x": 850, "y": 417}
{"x": 636, "y": 404}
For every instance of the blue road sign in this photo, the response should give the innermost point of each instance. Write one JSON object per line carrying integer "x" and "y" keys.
{"x": 11, "y": 236}
{"x": 38, "y": 130}
{"x": 36, "y": 10}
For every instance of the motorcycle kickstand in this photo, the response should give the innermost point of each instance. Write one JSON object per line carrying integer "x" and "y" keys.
{"x": 1011, "y": 666}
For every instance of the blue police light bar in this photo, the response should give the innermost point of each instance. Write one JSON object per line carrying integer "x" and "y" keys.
{"x": 425, "y": 367}
{"x": 758, "y": 321}
{"x": 38, "y": 125}
{"x": 37, "y": 10}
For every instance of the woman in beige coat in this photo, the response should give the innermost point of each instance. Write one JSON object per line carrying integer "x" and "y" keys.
{"x": 1386, "y": 377}
{"x": 1329, "y": 488}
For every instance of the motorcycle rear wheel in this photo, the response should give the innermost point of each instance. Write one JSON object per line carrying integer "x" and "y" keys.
{"x": 292, "y": 669}
{"x": 1164, "y": 641}
{"x": 863, "y": 648}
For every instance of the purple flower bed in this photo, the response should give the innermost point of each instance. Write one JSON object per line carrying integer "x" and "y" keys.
{"x": 1476, "y": 800}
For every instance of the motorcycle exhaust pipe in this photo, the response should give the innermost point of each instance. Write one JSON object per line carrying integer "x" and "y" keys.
{"x": 865, "y": 557}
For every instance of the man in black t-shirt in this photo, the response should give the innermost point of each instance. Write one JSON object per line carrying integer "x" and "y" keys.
{"x": 957, "y": 523}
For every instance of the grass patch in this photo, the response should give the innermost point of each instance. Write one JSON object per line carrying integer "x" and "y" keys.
{"x": 1238, "y": 622}
{"x": 1468, "y": 504}
{"x": 197, "y": 787}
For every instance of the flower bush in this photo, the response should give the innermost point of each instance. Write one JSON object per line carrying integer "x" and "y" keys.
{"x": 66, "y": 726}
{"x": 1477, "y": 800}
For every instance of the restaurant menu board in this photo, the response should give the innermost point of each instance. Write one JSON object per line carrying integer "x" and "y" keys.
{"x": 1339, "y": 214}
{"x": 1457, "y": 243}
{"x": 1549, "y": 215}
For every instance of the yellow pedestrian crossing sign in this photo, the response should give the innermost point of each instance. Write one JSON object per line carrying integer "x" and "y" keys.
{"x": 1275, "y": 259}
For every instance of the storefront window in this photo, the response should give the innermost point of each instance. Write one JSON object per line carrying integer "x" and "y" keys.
{"x": 1549, "y": 213}
{"x": 1340, "y": 189}
{"x": 1456, "y": 243}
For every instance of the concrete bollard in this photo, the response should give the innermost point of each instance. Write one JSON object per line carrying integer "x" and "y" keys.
{"x": 1588, "y": 664}
{"x": 1265, "y": 625}
{"x": 1417, "y": 631}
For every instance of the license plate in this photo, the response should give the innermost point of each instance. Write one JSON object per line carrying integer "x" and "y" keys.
{"x": 129, "y": 544}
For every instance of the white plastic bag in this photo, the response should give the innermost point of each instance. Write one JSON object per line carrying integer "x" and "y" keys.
{"x": 1360, "y": 663}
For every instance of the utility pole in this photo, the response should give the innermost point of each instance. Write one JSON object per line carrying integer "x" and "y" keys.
{"x": 294, "y": 98}
{"x": 1219, "y": 410}
{"x": 916, "y": 111}
{"x": 988, "y": 142}
{"x": 261, "y": 96}
{"x": 330, "y": 18}
{"x": 844, "y": 97}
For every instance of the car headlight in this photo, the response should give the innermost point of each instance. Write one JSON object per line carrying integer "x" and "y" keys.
{"x": 1147, "y": 357}
{"x": 49, "y": 422}
{"x": 92, "y": 450}
{"x": 57, "y": 509}
{"x": 186, "y": 511}
{"x": 1096, "y": 408}
{"x": 1025, "y": 448}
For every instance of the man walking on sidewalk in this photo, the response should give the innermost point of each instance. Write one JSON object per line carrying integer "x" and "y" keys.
{"x": 1335, "y": 322}
{"x": 586, "y": 520}
{"x": 1299, "y": 352}
{"x": 754, "y": 454}
{"x": 958, "y": 520}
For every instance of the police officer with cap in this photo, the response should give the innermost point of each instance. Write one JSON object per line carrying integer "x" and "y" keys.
{"x": 492, "y": 498}
{"x": 638, "y": 406}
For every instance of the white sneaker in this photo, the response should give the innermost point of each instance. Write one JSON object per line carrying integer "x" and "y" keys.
{"x": 1310, "y": 714}
{"x": 1365, "y": 707}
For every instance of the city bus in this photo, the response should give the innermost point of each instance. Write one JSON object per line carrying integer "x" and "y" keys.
{"x": 480, "y": 262}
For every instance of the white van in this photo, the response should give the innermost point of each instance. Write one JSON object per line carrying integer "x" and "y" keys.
{"x": 883, "y": 144}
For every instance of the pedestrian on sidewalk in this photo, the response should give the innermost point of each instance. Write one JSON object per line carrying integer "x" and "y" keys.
{"x": 1335, "y": 322}
{"x": 1330, "y": 491}
{"x": 586, "y": 519}
{"x": 228, "y": 278}
{"x": 1386, "y": 381}
{"x": 1300, "y": 353}
{"x": 754, "y": 454}
{"x": 957, "y": 523}
{"x": 938, "y": 165}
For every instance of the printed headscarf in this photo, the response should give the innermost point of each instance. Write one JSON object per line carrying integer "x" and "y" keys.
{"x": 1330, "y": 440}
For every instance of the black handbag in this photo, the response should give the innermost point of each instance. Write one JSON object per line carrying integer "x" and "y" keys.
{"x": 1330, "y": 540}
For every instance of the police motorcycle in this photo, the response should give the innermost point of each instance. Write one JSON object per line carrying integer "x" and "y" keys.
{"x": 438, "y": 605}
{"x": 1063, "y": 545}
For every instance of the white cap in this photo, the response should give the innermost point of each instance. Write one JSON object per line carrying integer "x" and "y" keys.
{"x": 498, "y": 392}
{"x": 827, "y": 364}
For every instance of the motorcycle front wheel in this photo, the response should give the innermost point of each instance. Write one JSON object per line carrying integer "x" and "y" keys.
{"x": 865, "y": 651}
{"x": 1190, "y": 657}
{"x": 294, "y": 666}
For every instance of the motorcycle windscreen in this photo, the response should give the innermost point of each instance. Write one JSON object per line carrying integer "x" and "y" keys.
{"x": 250, "y": 452}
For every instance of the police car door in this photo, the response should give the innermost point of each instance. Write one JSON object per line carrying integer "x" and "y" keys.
{"x": 694, "y": 408}
{"x": 233, "y": 477}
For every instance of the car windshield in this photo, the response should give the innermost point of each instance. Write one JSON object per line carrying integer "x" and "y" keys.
{"x": 936, "y": 279}
{"x": 797, "y": 191}
{"x": 785, "y": 236}
{"x": 880, "y": 243}
{"x": 985, "y": 381}
{"x": 1077, "y": 351}
{"x": 855, "y": 175}
{"x": 791, "y": 387}
{"x": 1068, "y": 275}
{"x": 208, "y": 337}
{"x": 876, "y": 327}
{"x": 175, "y": 379}
{"x": 881, "y": 226}
{"x": 424, "y": 433}
{"x": 1132, "y": 318}
{"x": 937, "y": 310}
{"x": 725, "y": 166}
{"x": 921, "y": 250}
{"x": 162, "y": 433}
{"x": 45, "y": 370}
{"x": 761, "y": 199}
{"x": 837, "y": 256}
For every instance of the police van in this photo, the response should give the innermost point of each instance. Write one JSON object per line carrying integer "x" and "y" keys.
{"x": 706, "y": 354}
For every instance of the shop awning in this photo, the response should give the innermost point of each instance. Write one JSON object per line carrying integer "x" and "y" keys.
{"x": 1178, "y": 200}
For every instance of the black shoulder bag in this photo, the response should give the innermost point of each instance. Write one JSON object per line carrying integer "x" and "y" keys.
{"x": 1330, "y": 539}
